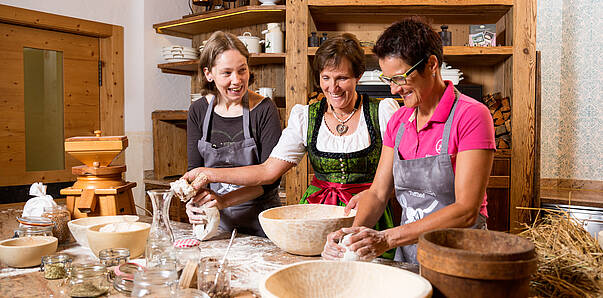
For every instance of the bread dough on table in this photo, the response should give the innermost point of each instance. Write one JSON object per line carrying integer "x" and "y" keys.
{"x": 210, "y": 228}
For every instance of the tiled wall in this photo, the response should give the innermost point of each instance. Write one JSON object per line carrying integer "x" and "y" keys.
{"x": 569, "y": 34}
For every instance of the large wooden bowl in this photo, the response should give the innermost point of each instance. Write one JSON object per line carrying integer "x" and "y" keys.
{"x": 135, "y": 241}
{"x": 303, "y": 229}
{"x": 26, "y": 251}
{"x": 343, "y": 279}
{"x": 79, "y": 226}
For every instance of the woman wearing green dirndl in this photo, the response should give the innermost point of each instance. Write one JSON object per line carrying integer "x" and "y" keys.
{"x": 342, "y": 134}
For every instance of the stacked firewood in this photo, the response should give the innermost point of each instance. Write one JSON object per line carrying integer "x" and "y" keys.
{"x": 500, "y": 108}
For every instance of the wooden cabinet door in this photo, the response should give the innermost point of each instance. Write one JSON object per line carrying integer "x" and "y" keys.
{"x": 79, "y": 79}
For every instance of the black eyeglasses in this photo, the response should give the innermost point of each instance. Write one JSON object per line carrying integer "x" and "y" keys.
{"x": 401, "y": 78}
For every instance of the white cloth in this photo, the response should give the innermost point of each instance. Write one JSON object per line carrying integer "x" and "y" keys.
{"x": 293, "y": 143}
{"x": 35, "y": 206}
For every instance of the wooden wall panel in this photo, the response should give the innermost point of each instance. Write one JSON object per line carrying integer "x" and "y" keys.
{"x": 524, "y": 111}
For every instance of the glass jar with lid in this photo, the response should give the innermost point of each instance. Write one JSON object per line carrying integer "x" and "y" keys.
{"x": 111, "y": 257}
{"x": 55, "y": 266}
{"x": 60, "y": 216}
{"x": 124, "y": 277}
{"x": 88, "y": 280}
{"x": 25, "y": 231}
{"x": 155, "y": 282}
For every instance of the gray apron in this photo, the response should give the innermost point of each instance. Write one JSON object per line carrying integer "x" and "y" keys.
{"x": 244, "y": 216}
{"x": 424, "y": 185}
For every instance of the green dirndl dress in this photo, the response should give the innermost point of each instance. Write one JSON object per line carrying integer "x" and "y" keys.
{"x": 354, "y": 167}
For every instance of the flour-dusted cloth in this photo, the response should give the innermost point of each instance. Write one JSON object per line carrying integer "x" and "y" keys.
{"x": 292, "y": 145}
{"x": 35, "y": 206}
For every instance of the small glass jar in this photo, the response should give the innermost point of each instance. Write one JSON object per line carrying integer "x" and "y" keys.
{"x": 124, "y": 277}
{"x": 155, "y": 283}
{"x": 55, "y": 266}
{"x": 186, "y": 250}
{"x": 26, "y": 230}
{"x": 111, "y": 257}
{"x": 212, "y": 279}
{"x": 60, "y": 216}
{"x": 88, "y": 280}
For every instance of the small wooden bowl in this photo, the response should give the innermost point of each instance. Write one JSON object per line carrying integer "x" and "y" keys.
{"x": 343, "y": 279}
{"x": 26, "y": 251}
{"x": 303, "y": 229}
{"x": 135, "y": 241}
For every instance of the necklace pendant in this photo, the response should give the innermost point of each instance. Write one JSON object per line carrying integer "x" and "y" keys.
{"x": 341, "y": 128}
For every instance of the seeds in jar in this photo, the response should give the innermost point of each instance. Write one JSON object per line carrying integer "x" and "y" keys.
{"x": 59, "y": 216}
{"x": 87, "y": 289}
{"x": 54, "y": 271}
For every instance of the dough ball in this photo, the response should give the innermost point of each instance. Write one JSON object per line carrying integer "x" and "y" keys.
{"x": 182, "y": 189}
{"x": 349, "y": 254}
{"x": 205, "y": 231}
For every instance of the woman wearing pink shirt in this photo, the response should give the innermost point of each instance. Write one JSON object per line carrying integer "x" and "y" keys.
{"x": 437, "y": 154}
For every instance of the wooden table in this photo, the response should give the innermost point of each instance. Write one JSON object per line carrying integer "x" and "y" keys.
{"x": 250, "y": 258}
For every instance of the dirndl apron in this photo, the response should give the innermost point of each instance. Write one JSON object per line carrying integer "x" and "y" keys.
{"x": 424, "y": 185}
{"x": 244, "y": 216}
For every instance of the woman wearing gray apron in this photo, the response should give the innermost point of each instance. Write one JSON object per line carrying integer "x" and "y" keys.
{"x": 437, "y": 154}
{"x": 233, "y": 137}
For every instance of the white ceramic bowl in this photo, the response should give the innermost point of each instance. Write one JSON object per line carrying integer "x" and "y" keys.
{"x": 26, "y": 251}
{"x": 78, "y": 227}
{"x": 135, "y": 241}
{"x": 335, "y": 279}
{"x": 302, "y": 229}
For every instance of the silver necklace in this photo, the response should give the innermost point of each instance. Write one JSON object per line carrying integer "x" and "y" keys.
{"x": 341, "y": 127}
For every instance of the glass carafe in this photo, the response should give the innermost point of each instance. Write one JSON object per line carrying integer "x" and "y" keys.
{"x": 159, "y": 244}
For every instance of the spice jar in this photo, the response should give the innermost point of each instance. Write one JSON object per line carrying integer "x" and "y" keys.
{"x": 212, "y": 279}
{"x": 124, "y": 277}
{"x": 185, "y": 250}
{"x": 111, "y": 257}
{"x": 88, "y": 280}
{"x": 55, "y": 266}
{"x": 60, "y": 216}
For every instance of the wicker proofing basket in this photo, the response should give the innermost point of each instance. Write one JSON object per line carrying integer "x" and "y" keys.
{"x": 303, "y": 229}
{"x": 476, "y": 263}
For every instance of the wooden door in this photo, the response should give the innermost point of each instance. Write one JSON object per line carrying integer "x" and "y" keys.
{"x": 80, "y": 99}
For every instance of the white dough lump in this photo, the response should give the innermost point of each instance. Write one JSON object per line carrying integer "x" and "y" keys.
{"x": 186, "y": 191}
{"x": 349, "y": 254}
{"x": 209, "y": 229}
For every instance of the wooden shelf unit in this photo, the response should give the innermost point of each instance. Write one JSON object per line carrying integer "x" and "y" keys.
{"x": 222, "y": 20}
{"x": 509, "y": 69}
{"x": 189, "y": 68}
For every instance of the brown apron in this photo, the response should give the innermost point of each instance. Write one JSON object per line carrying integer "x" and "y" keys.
{"x": 424, "y": 185}
{"x": 244, "y": 216}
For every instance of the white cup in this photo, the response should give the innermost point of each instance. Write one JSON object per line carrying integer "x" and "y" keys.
{"x": 266, "y": 92}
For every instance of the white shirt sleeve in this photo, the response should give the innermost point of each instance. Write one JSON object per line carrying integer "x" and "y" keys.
{"x": 387, "y": 108}
{"x": 292, "y": 145}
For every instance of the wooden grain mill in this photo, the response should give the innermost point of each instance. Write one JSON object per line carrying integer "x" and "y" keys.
{"x": 99, "y": 189}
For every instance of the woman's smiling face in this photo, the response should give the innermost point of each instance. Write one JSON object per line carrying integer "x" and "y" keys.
{"x": 339, "y": 84}
{"x": 230, "y": 74}
{"x": 417, "y": 86}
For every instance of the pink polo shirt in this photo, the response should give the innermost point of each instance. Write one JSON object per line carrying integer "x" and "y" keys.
{"x": 472, "y": 128}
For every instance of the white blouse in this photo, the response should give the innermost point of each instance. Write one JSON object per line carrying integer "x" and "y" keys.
{"x": 293, "y": 143}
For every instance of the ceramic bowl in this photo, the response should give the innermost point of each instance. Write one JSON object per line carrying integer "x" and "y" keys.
{"x": 343, "y": 279}
{"x": 302, "y": 229}
{"x": 26, "y": 251}
{"x": 78, "y": 227}
{"x": 135, "y": 241}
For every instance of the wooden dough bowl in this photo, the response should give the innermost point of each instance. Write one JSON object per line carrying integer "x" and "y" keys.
{"x": 334, "y": 279}
{"x": 135, "y": 241}
{"x": 484, "y": 263}
{"x": 26, "y": 251}
{"x": 303, "y": 229}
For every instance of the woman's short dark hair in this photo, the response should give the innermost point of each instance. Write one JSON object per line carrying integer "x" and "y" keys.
{"x": 330, "y": 53}
{"x": 410, "y": 39}
{"x": 218, "y": 43}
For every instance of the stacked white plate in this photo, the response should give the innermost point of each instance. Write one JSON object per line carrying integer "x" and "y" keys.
{"x": 176, "y": 53}
{"x": 451, "y": 74}
{"x": 371, "y": 77}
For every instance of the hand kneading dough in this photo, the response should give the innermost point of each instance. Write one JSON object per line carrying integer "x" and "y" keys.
{"x": 349, "y": 254}
{"x": 210, "y": 228}
{"x": 182, "y": 189}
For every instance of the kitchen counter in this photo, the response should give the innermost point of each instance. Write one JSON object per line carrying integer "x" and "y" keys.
{"x": 250, "y": 258}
